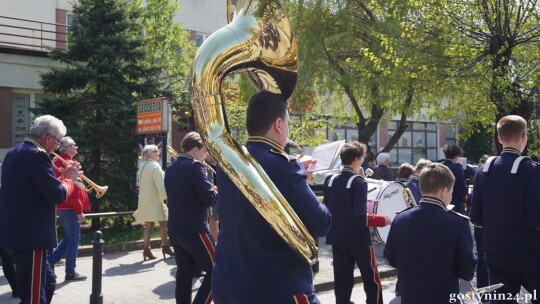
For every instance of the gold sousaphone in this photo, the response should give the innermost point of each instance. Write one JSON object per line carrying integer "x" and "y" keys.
{"x": 259, "y": 41}
{"x": 100, "y": 190}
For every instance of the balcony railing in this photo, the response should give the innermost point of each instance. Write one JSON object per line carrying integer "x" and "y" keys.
{"x": 24, "y": 34}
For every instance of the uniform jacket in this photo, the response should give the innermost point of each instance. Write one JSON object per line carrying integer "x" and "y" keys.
{"x": 349, "y": 210}
{"x": 30, "y": 193}
{"x": 78, "y": 200}
{"x": 383, "y": 173}
{"x": 414, "y": 185}
{"x": 507, "y": 206}
{"x": 251, "y": 259}
{"x": 189, "y": 194}
{"x": 432, "y": 248}
{"x": 460, "y": 188}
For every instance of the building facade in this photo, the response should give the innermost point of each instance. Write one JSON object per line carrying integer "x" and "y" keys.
{"x": 30, "y": 28}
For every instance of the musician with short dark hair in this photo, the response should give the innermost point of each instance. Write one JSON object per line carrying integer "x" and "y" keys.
{"x": 452, "y": 152}
{"x": 30, "y": 193}
{"x": 405, "y": 171}
{"x": 190, "y": 194}
{"x": 431, "y": 246}
{"x": 345, "y": 194}
{"x": 414, "y": 182}
{"x": 506, "y": 205}
{"x": 254, "y": 264}
{"x": 70, "y": 214}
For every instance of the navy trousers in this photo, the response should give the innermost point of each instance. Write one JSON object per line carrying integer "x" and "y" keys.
{"x": 35, "y": 279}
{"x": 344, "y": 260}
{"x": 193, "y": 252}
{"x": 8, "y": 266}
{"x": 514, "y": 272}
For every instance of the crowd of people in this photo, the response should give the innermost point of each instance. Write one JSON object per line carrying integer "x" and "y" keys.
{"x": 430, "y": 242}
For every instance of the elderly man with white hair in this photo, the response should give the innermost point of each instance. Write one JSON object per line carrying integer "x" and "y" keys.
{"x": 383, "y": 170}
{"x": 30, "y": 192}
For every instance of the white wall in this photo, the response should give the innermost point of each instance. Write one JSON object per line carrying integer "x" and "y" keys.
{"x": 202, "y": 16}
{"x": 23, "y": 71}
{"x": 37, "y": 10}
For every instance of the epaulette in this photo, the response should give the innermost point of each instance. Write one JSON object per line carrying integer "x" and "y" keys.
{"x": 288, "y": 157}
{"x": 40, "y": 149}
{"x": 405, "y": 209}
{"x": 459, "y": 214}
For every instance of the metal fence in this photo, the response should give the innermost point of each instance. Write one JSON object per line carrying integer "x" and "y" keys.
{"x": 33, "y": 35}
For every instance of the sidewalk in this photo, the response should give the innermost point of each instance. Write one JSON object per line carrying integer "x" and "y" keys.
{"x": 126, "y": 278}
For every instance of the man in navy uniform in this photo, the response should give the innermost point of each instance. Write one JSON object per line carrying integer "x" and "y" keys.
{"x": 345, "y": 194}
{"x": 452, "y": 152}
{"x": 506, "y": 205}
{"x": 253, "y": 264}
{"x": 431, "y": 246}
{"x": 189, "y": 195}
{"x": 30, "y": 193}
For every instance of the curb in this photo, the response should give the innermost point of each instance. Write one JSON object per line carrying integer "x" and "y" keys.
{"x": 87, "y": 251}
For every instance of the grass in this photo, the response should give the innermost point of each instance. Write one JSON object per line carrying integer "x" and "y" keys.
{"x": 113, "y": 235}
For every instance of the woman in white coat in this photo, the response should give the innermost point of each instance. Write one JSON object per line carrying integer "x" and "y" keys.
{"x": 152, "y": 201}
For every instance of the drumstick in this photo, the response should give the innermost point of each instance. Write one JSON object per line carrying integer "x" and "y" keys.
{"x": 372, "y": 189}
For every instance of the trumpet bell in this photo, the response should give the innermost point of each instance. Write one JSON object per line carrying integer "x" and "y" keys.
{"x": 100, "y": 191}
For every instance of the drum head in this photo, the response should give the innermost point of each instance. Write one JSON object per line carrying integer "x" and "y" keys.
{"x": 389, "y": 201}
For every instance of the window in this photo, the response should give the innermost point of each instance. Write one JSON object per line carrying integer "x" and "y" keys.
{"x": 450, "y": 134}
{"x": 418, "y": 141}
{"x": 69, "y": 19}
{"x": 199, "y": 39}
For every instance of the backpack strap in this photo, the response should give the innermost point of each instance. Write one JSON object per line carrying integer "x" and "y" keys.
{"x": 332, "y": 180}
{"x": 487, "y": 165}
{"x": 517, "y": 162}
{"x": 351, "y": 179}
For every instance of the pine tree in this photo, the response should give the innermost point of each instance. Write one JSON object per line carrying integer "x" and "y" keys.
{"x": 96, "y": 89}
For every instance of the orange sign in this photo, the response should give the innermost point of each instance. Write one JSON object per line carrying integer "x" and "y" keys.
{"x": 152, "y": 116}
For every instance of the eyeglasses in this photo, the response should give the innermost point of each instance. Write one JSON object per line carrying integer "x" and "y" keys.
{"x": 57, "y": 140}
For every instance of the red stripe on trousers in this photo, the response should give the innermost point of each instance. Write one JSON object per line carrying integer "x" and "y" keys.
{"x": 376, "y": 277}
{"x": 301, "y": 299}
{"x": 37, "y": 261}
{"x": 209, "y": 246}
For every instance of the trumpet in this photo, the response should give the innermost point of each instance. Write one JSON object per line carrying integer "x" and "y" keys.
{"x": 174, "y": 156}
{"x": 100, "y": 190}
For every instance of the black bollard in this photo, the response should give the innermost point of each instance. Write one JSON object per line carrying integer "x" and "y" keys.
{"x": 97, "y": 262}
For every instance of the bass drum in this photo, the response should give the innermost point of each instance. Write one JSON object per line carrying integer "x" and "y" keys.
{"x": 386, "y": 198}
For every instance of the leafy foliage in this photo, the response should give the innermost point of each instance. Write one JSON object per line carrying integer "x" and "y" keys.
{"x": 168, "y": 47}
{"x": 96, "y": 91}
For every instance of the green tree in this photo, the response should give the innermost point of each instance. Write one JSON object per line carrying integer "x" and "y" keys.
{"x": 493, "y": 50}
{"x": 96, "y": 89}
{"x": 168, "y": 47}
{"x": 356, "y": 50}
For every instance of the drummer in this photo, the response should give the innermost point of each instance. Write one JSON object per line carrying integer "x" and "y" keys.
{"x": 346, "y": 194}
{"x": 430, "y": 245}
